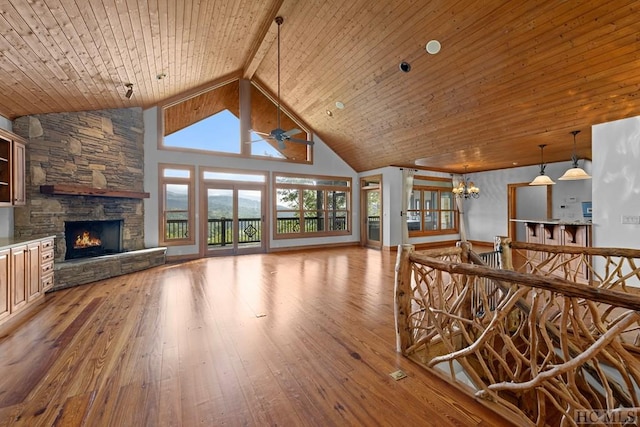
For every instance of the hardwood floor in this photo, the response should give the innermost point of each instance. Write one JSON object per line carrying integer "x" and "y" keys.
{"x": 289, "y": 339}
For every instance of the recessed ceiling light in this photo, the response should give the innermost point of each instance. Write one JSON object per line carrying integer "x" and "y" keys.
{"x": 433, "y": 47}
{"x": 339, "y": 105}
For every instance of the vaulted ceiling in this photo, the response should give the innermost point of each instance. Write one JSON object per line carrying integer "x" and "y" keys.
{"x": 510, "y": 75}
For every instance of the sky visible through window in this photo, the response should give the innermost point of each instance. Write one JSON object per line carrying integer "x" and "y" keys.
{"x": 219, "y": 133}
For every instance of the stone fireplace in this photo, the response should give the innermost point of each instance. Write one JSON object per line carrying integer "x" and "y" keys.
{"x": 101, "y": 153}
{"x": 92, "y": 149}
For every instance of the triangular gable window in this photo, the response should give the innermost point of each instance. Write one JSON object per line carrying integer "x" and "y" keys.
{"x": 220, "y": 132}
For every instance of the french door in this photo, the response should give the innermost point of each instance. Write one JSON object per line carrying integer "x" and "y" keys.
{"x": 233, "y": 218}
{"x": 371, "y": 201}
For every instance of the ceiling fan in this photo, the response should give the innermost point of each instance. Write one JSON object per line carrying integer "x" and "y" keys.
{"x": 278, "y": 134}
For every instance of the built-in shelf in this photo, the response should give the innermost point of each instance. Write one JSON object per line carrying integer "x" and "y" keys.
{"x": 78, "y": 190}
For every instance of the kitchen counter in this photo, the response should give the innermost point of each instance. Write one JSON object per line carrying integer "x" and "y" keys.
{"x": 553, "y": 221}
{"x": 10, "y": 242}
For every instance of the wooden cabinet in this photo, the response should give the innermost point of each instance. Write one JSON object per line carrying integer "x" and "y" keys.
{"x": 5, "y": 274}
{"x": 19, "y": 173}
{"x": 5, "y": 171}
{"x": 34, "y": 265}
{"x": 26, "y": 273}
{"x": 561, "y": 234}
{"x": 12, "y": 169}
{"x": 46, "y": 270}
{"x": 18, "y": 281}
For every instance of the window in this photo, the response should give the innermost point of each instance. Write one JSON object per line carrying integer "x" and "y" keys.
{"x": 177, "y": 205}
{"x": 209, "y": 122}
{"x": 432, "y": 208}
{"x": 307, "y": 206}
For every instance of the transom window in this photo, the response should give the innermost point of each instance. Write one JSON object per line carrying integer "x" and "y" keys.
{"x": 311, "y": 206}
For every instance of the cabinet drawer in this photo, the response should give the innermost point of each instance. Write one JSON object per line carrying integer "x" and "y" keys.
{"x": 46, "y": 244}
{"x": 47, "y": 254}
{"x": 47, "y": 267}
{"x": 47, "y": 281}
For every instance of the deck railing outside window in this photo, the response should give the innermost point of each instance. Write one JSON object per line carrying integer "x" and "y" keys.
{"x": 220, "y": 231}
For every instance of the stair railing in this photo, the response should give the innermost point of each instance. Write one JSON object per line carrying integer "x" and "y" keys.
{"x": 547, "y": 349}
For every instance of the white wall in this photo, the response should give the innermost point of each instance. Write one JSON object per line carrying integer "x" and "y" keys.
{"x": 325, "y": 162}
{"x": 616, "y": 182}
{"x": 6, "y": 214}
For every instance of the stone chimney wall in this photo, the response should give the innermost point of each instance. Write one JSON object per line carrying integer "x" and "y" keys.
{"x": 99, "y": 149}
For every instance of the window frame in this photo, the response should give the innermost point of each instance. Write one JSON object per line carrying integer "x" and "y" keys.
{"x": 301, "y": 211}
{"x": 163, "y": 181}
{"x": 446, "y": 187}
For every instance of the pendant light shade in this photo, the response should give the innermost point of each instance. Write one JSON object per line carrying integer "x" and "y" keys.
{"x": 542, "y": 179}
{"x": 575, "y": 172}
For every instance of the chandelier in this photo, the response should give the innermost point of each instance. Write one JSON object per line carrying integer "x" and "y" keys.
{"x": 465, "y": 188}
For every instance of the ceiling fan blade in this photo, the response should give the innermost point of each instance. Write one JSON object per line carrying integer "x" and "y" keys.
{"x": 292, "y": 132}
{"x": 259, "y": 133}
{"x": 302, "y": 141}
{"x": 255, "y": 140}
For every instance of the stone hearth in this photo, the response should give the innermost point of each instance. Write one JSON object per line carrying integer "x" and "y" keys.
{"x": 87, "y": 270}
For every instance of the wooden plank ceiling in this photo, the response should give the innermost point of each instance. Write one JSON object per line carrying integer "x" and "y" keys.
{"x": 511, "y": 74}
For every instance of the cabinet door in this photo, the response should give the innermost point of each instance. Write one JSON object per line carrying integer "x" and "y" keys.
{"x": 18, "y": 281}
{"x": 5, "y": 172}
{"x": 5, "y": 274}
{"x": 19, "y": 167}
{"x": 34, "y": 284}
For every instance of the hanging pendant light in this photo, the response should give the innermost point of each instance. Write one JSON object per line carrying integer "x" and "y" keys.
{"x": 542, "y": 179}
{"x": 575, "y": 172}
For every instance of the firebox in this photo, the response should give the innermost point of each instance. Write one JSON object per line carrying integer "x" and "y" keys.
{"x": 92, "y": 238}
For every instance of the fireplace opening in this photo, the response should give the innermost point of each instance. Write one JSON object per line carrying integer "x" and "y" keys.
{"x": 92, "y": 238}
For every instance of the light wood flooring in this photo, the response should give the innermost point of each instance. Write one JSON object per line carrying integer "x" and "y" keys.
{"x": 291, "y": 339}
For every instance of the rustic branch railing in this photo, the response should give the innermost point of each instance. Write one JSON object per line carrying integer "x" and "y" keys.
{"x": 547, "y": 349}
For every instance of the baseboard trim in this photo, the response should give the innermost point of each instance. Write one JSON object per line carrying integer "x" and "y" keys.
{"x": 312, "y": 247}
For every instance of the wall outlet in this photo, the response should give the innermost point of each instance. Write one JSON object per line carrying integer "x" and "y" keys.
{"x": 630, "y": 219}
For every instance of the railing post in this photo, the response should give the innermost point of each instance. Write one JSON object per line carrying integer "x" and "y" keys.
{"x": 466, "y": 248}
{"x": 402, "y": 296}
{"x": 506, "y": 256}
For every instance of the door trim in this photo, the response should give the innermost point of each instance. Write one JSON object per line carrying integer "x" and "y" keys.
{"x": 235, "y": 187}
{"x": 364, "y": 189}
{"x": 512, "y": 204}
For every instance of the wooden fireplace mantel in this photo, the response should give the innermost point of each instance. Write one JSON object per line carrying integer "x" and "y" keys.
{"x": 79, "y": 190}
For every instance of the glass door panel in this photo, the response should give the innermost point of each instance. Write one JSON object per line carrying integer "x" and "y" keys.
{"x": 373, "y": 215}
{"x": 370, "y": 211}
{"x": 249, "y": 218}
{"x": 220, "y": 223}
{"x": 235, "y": 219}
